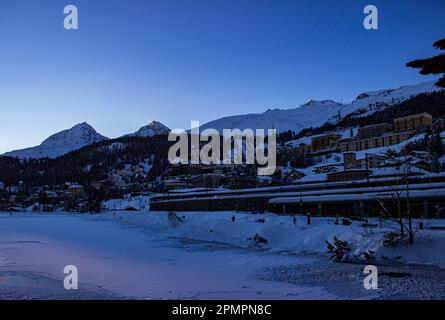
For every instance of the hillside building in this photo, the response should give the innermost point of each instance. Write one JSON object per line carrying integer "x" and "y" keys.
{"x": 386, "y": 140}
{"x": 372, "y": 136}
{"x": 374, "y": 130}
{"x": 413, "y": 123}
{"x": 324, "y": 141}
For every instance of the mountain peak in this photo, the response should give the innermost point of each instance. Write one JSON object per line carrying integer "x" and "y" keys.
{"x": 83, "y": 126}
{"x": 80, "y": 133}
{"x": 154, "y": 128}
{"x": 156, "y": 124}
{"x": 60, "y": 143}
{"x": 313, "y": 102}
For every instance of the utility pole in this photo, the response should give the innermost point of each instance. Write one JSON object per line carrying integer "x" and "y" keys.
{"x": 301, "y": 199}
{"x": 367, "y": 168}
{"x": 408, "y": 209}
{"x": 398, "y": 190}
{"x": 399, "y": 208}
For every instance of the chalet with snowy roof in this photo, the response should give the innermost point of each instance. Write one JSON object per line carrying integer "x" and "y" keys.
{"x": 424, "y": 165}
{"x": 75, "y": 191}
{"x": 293, "y": 176}
{"x": 421, "y": 155}
{"x": 98, "y": 184}
{"x": 327, "y": 168}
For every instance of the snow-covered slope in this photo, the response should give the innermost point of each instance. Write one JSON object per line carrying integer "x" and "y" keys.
{"x": 316, "y": 113}
{"x": 152, "y": 129}
{"x": 313, "y": 113}
{"x": 370, "y": 102}
{"x": 61, "y": 143}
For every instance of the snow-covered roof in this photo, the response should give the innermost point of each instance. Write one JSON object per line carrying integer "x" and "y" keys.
{"x": 298, "y": 142}
{"x": 75, "y": 186}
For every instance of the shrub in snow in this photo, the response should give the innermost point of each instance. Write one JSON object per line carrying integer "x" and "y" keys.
{"x": 391, "y": 239}
{"x": 339, "y": 250}
{"x": 367, "y": 257}
{"x": 259, "y": 240}
{"x": 174, "y": 219}
{"x": 37, "y": 207}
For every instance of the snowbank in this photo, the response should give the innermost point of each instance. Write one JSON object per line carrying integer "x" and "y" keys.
{"x": 283, "y": 235}
{"x": 138, "y": 203}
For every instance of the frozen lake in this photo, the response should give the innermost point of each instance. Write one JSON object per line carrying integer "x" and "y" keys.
{"x": 121, "y": 262}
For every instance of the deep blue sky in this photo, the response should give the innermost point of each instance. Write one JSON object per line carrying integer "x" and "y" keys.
{"x": 175, "y": 61}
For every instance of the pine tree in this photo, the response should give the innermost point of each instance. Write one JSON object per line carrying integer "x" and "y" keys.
{"x": 434, "y": 65}
{"x": 437, "y": 145}
{"x": 277, "y": 177}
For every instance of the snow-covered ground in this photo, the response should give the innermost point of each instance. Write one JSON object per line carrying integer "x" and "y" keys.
{"x": 283, "y": 235}
{"x": 147, "y": 255}
{"x": 138, "y": 203}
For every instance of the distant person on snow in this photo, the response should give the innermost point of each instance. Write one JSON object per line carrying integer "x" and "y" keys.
{"x": 294, "y": 220}
{"x": 233, "y": 218}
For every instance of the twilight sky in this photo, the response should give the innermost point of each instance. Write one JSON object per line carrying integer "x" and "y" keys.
{"x": 175, "y": 61}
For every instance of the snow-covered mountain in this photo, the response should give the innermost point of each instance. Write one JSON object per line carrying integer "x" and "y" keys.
{"x": 316, "y": 113}
{"x": 370, "y": 102}
{"x": 61, "y": 143}
{"x": 77, "y": 137}
{"x": 312, "y": 113}
{"x": 154, "y": 128}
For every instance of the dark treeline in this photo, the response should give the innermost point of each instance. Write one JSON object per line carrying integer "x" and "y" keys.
{"x": 88, "y": 164}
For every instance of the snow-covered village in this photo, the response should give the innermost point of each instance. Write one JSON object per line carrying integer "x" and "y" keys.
{"x": 354, "y": 208}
